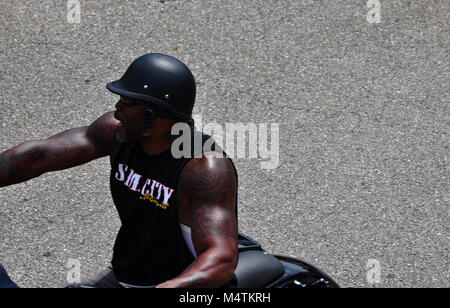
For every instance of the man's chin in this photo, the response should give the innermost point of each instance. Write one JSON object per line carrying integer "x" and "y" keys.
{"x": 122, "y": 135}
{"x": 128, "y": 137}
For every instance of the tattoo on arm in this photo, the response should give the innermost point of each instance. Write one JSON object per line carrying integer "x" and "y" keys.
{"x": 212, "y": 188}
{"x": 212, "y": 221}
{"x": 103, "y": 133}
{"x": 194, "y": 279}
{"x": 210, "y": 184}
{"x": 15, "y": 164}
{"x": 81, "y": 145}
{"x": 62, "y": 151}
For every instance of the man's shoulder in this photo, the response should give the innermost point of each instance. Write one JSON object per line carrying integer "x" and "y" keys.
{"x": 212, "y": 170}
{"x": 107, "y": 120}
{"x": 214, "y": 162}
{"x": 104, "y": 132}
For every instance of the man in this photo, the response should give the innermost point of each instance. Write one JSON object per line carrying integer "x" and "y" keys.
{"x": 179, "y": 221}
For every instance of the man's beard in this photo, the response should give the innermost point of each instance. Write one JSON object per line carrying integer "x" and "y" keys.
{"x": 130, "y": 135}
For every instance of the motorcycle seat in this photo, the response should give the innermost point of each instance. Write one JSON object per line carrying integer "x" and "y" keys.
{"x": 256, "y": 269}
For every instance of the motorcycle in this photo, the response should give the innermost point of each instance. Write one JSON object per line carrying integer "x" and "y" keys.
{"x": 256, "y": 269}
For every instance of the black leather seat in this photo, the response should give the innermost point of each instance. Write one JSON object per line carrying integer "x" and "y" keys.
{"x": 256, "y": 269}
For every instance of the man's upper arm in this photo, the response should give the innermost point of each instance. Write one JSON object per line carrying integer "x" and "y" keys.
{"x": 211, "y": 185}
{"x": 76, "y": 146}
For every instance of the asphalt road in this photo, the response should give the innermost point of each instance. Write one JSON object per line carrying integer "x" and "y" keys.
{"x": 362, "y": 109}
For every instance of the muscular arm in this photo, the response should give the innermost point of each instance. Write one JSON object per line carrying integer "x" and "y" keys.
{"x": 211, "y": 186}
{"x": 62, "y": 151}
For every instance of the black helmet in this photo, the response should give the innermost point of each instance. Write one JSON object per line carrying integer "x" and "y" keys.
{"x": 161, "y": 80}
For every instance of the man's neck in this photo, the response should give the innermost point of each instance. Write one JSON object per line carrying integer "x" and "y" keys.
{"x": 156, "y": 146}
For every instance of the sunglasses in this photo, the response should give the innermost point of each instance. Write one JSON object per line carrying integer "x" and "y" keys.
{"x": 130, "y": 102}
{"x": 159, "y": 112}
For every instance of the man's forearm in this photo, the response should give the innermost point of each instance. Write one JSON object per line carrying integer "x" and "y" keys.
{"x": 208, "y": 271}
{"x": 16, "y": 164}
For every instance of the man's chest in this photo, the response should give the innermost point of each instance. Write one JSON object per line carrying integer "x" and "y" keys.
{"x": 130, "y": 184}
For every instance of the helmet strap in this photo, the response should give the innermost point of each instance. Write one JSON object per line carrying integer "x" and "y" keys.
{"x": 149, "y": 116}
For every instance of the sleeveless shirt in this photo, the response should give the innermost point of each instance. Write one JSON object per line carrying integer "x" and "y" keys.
{"x": 149, "y": 247}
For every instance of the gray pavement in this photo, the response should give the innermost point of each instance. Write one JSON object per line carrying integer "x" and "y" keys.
{"x": 363, "y": 111}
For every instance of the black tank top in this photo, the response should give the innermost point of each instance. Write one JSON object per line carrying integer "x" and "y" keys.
{"x": 150, "y": 247}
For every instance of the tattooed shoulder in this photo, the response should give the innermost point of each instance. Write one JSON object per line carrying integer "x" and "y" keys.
{"x": 103, "y": 132}
{"x": 209, "y": 176}
{"x": 211, "y": 185}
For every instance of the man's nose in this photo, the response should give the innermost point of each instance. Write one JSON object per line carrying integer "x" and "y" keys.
{"x": 119, "y": 106}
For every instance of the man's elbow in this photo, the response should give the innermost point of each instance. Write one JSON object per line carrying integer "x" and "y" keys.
{"x": 227, "y": 267}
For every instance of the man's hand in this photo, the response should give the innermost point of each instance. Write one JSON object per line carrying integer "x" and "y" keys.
{"x": 62, "y": 151}
{"x": 209, "y": 186}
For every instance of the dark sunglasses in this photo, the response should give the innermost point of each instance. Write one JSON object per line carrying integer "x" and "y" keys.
{"x": 159, "y": 112}
{"x": 130, "y": 102}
